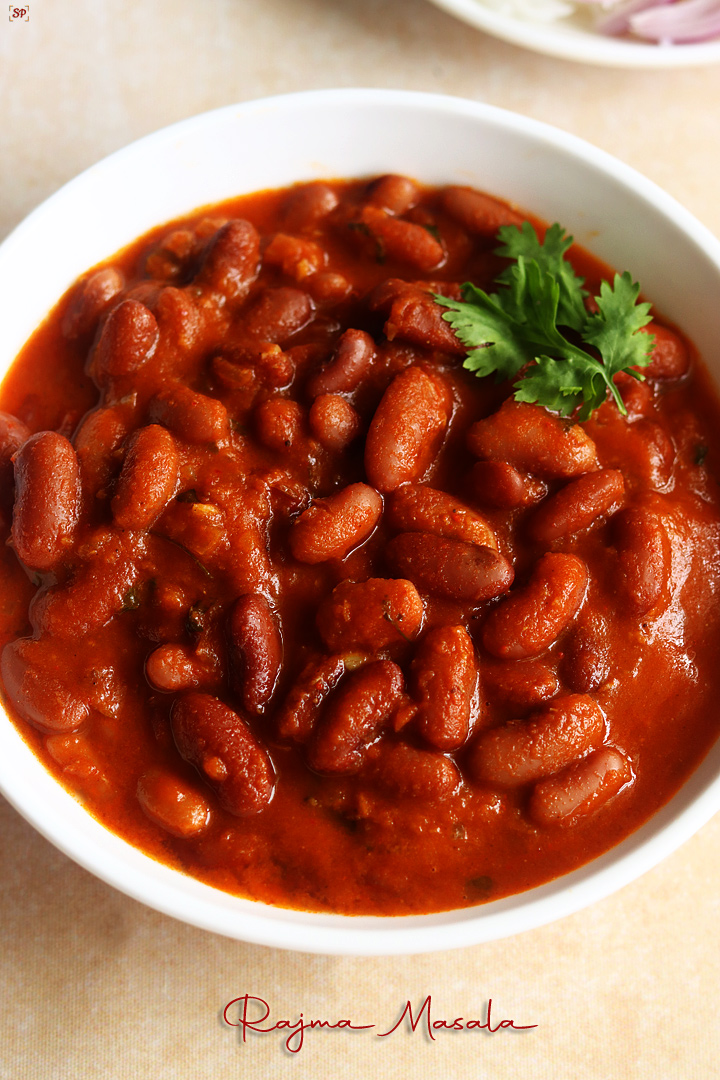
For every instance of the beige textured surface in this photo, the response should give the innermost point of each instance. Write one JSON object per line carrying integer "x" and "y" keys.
{"x": 96, "y": 985}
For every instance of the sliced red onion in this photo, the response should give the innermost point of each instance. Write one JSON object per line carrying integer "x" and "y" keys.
{"x": 617, "y": 21}
{"x": 681, "y": 23}
{"x": 663, "y": 21}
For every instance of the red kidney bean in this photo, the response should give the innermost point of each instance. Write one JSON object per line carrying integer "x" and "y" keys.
{"x": 370, "y": 614}
{"x": 477, "y": 212}
{"x": 128, "y": 340}
{"x": 649, "y": 454}
{"x": 279, "y": 424}
{"x": 210, "y": 648}
{"x": 47, "y": 500}
{"x": 13, "y": 433}
{"x": 581, "y": 789}
{"x": 300, "y": 711}
{"x": 99, "y": 436}
{"x": 104, "y": 585}
{"x": 362, "y": 704}
{"x": 307, "y": 204}
{"x": 670, "y": 358}
{"x": 256, "y": 651}
{"x": 236, "y": 374}
{"x": 148, "y": 478}
{"x": 415, "y": 317}
{"x": 172, "y": 255}
{"x": 41, "y": 686}
{"x": 206, "y": 228}
{"x": 533, "y": 440}
{"x": 333, "y": 421}
{"x": 382, "y": 297}
{"x": 348, "y": 366}
{"x": 577, "y": 506}
{"x": 529, "y": 620}
{"x": 450, "y": 568}
{"x": 278, "y": 313}
{"x": 409, "y": 773}
{"x": 180, "y": 243}
{"x": 403, "y": 240}
{"x": 396, "y": 194}
{"x": 312, "y": 354}
{"x": 191, "y": 416}
{"x": 643, "y": 549}
{"x": 231, "y": 260}
{"x": 146, "y": 293}
{"x": 173, "y": 667}
{"x": 288, "y": 495}
{"x": 91, "y": 298}
{"x": 444, "y": 679}
{"x": 641, "y": 449}
{"x": 330, "y": 528}
{"x": 221, "y": 746}
{"x": 586, "y": 662}
{"x": 296, "y": 257}
{"x": 522, "y": 751}
{"x": 247, "y": 514}
{"x": 499, "y": 484}
{"x": 407, "y": 429}
{"x": 248, "y": 368}
{"x": 173, "y": 804}
{"x": 329, "y": 288}
{"x": 520, "y": 684}
{"x": 417, "y": 508}
{"x": 181, "y": 320}
{"x": 81, "y": 767}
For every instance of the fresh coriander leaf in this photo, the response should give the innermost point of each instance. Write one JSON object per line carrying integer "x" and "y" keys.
{"x": 579, "y": 381}
{"x": 502, "y": 331}
{"x": 513, "y": 327}
{"x": 520, "y": 326}
{"x": 550, "y": 256}
{"x": 532, "y": 300}
{"x": 551, "y": 383}
{"x": 613, "y": 331}
{"x": 494, "y": 342}
{"x": 523, "y": 241}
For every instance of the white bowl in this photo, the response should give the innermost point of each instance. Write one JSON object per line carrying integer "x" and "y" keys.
{"x": 616, "y": 213}
{"x": 573, "y": 39}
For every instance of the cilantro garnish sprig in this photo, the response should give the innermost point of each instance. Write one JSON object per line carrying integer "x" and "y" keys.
{"x": 537, "y": 320}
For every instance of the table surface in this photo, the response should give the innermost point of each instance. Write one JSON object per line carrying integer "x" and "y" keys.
{"x": 95, "y": 983}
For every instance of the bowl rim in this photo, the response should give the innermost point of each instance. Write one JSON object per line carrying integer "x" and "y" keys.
{"x": 571, "y": 42}
{"x": 119, "y": 864}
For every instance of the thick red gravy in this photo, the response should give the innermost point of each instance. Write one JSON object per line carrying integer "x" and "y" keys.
{"x": 299, "y": 606}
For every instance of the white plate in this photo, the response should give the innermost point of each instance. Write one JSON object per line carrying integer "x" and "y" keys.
{"x": 568, "y": 38}
{"x": 612, "y": 210}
